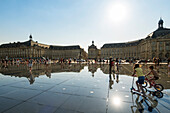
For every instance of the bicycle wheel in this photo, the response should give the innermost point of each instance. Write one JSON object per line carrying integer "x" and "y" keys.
{"x": 145, "y": 84}
{"x": 145, "y": 90}
{"x": 159, "y": 94}
{"x": 158, "y": 87}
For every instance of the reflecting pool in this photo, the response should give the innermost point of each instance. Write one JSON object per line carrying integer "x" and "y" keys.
{"x": 77, "y": 88}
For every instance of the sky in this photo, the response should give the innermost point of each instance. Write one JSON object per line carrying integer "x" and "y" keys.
{"x": 79, "y": 22}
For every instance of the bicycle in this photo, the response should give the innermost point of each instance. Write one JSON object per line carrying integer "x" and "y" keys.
{"x": 158, "y": 87}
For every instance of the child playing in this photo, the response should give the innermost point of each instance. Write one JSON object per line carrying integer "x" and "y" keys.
{"x": 141, "y": 77}
{"x": 154, "y": 73}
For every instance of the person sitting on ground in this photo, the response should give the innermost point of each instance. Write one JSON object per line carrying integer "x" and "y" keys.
{"x": 155, "y": 75}
{"x": 141, "y": 77}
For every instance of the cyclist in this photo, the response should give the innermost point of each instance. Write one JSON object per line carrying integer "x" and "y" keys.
{"x": 141, "y": 77}
{"x": 155, "y": 75}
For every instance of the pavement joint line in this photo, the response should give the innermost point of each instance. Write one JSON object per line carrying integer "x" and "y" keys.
{"x": 12, "y": 106}
{"x": 80, "y": 95}
{"x": 31, "y": 97}
{"x": 107, "y": 100}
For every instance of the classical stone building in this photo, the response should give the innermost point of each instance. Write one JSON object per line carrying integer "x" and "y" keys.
{"x": 32, "y": 49}
{"x": 93, "y": 52}
{"x": 156, "y": 44}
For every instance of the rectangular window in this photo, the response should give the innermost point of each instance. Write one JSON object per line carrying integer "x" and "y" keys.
{"x": 153, "y": 43}
{"x": 160, "y": 48}
{"x": 160, "y": 43}
{"x": 167, "y": 48}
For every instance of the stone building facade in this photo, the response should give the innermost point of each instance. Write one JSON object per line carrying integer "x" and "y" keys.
{"x": 156, "y": 44}
{"x": 32, "y": 49}
{"x": 93, "y": 52}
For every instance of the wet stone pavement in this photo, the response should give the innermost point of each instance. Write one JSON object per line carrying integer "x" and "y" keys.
{"x": 73, "y": 89}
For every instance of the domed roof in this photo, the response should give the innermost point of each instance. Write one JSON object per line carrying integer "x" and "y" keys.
{"x": 92, "y": 46}
{"x": 160, "y": 21}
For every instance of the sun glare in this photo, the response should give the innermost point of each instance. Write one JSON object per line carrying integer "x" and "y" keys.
{"x": 116, "y": 101}
{"x": 117, "y": 12}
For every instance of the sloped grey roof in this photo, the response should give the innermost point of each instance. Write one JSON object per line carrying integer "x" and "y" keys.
{"x": 65, "y": 47}
{"x": 111, "y": 45}
{"x": 18, "y": 44}
{"x": 92, "y": 46}
{"x": 159, "y": 32}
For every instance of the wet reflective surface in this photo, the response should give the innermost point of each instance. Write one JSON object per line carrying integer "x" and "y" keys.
{"x": 76, "y": 88}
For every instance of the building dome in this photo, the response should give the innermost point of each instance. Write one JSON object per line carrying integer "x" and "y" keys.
{"x": 30, "y": 37}
{"x": 160, "y": 21}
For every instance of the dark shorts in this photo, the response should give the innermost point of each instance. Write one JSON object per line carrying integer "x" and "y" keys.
{"x": 156, "y": 78}
{"x": 141, "y": 80}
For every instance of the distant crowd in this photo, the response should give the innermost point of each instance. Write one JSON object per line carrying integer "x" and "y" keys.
{"x": 156, "y": 61}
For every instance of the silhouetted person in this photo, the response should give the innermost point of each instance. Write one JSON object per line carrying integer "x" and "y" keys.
{"x": 31, "y": 78}
{"x": 168, "y": 60}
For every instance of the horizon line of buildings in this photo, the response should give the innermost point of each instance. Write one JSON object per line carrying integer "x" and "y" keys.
{"x": 156, "y": 44}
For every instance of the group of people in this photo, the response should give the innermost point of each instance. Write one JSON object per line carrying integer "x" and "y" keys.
{"x": 141, "y": 77}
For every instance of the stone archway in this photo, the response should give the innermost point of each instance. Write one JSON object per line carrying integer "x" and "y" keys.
{"x": 167, "y": 55}
{"x": 153, "y": 55}
{"x": 161, "y": 55}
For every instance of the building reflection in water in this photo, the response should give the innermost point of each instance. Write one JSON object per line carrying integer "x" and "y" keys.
{"x": 22, "y": 70}
{"x": 93, "y": 68}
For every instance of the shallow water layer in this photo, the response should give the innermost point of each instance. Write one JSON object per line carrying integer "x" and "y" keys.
{"x": 76, "y": 88}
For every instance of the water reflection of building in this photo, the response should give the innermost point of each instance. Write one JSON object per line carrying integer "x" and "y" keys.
{"x": 93, "y": 68}
{"x": 156, "y": 44}
{"x": 34, "y": 49}
{"x": 39, "y": 69}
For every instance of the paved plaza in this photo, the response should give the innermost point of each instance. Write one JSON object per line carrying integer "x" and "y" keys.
{"x": 76, "y": 88}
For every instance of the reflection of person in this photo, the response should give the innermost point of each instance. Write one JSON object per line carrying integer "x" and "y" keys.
{"x": 138, "y": 106}
{"x": 117, "y": 77}
{"x": 92, "y": 74}
{"x": 154, "y": 61}
{"x": 111, "y": 82}
{"x": 141, "y": 77}
{"x": 31, "y": 78}
{"x": 151, "y": 102}
{"x": 48, "y": 72}
{"x": 154, "y": 73}
{"x": 113, "y": 75}
{"x": 30, "y": 63}
{"x": 117, "y": 66}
